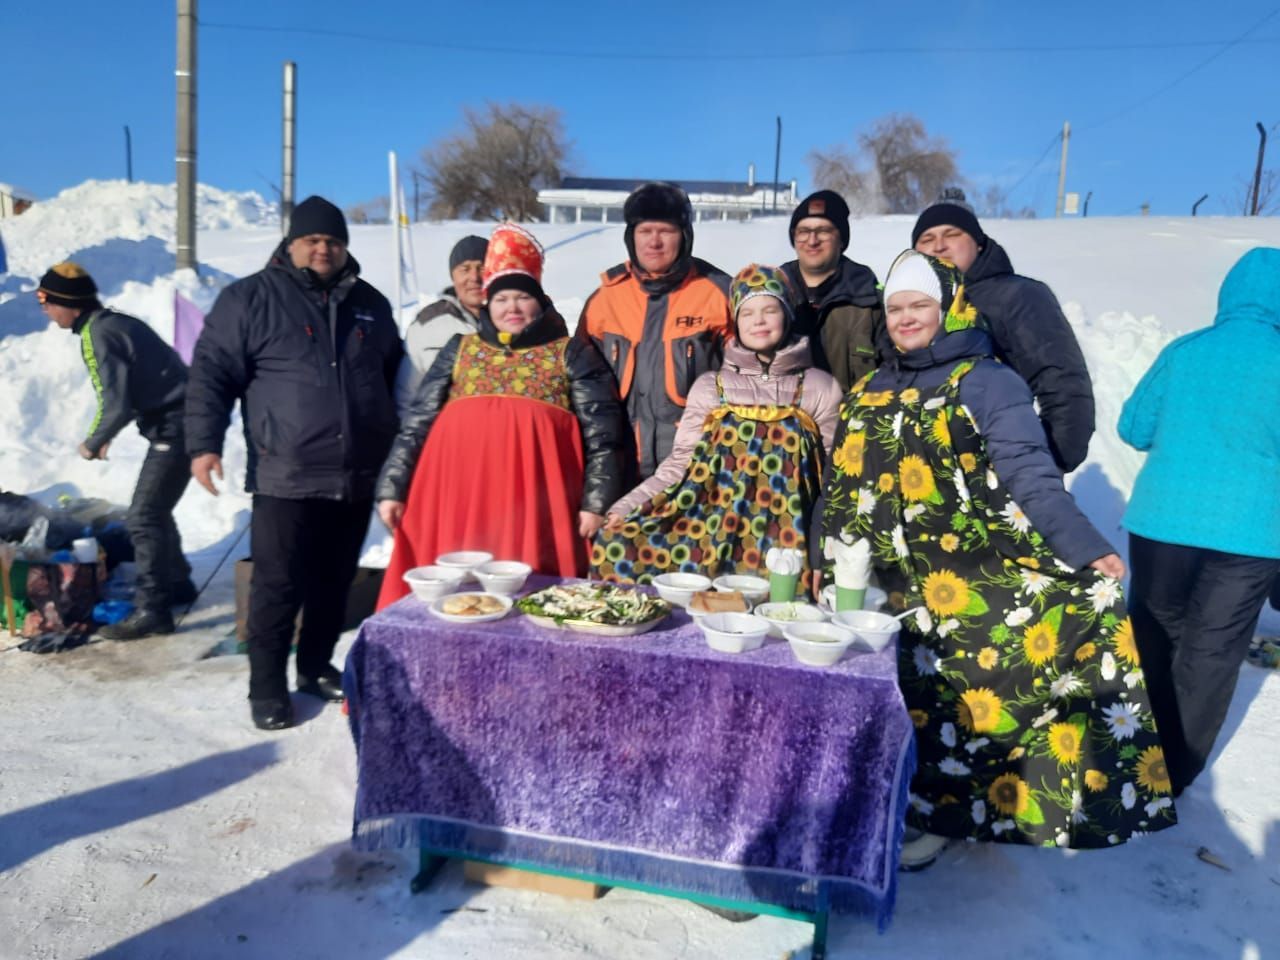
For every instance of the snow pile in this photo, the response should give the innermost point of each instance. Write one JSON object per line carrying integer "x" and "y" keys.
{"x": 97, "y": 212}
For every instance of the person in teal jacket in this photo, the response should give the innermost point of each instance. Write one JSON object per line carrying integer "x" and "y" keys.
{"x": 1204, "y": 517}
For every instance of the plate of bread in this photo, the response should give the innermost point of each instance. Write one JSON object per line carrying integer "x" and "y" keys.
{"x": 717, "y": 601}
{"x": 474, "y": 607}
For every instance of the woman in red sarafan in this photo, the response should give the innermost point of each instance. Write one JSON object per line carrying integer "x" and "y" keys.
{"x": 514, "y": 441}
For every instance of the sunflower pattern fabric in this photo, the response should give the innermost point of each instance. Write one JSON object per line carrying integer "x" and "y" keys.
{"x": 1021, "y": 675}
{"x": 535, "y": 373}
{"x": 751, "y": 484}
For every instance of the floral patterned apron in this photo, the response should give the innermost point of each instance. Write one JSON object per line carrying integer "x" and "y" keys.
{"x": 1021, "y": 675}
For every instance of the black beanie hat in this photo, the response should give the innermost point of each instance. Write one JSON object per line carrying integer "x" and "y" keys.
{"x": 663, "y": 202}
{"x": 950, "y": 210}
{"x": 67, "y": 284}
{"x": 828, "y": 205}
{"x": 468, "y": 248}
{"x": 317, "y": 215}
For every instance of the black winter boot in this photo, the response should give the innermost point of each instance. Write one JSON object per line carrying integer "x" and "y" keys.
{"x": 139, "y": 624}
{"x": 272, "y": 714}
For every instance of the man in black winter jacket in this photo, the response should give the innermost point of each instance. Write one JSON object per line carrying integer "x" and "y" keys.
{"x": 1027, "y": 324}
{"x": 137, "y": 377}
{"x": 311, "y": 352}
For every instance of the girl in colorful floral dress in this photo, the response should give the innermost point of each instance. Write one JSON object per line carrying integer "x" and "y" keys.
{"x": 745, "y": 470}
{"x": 515, "y": 440}
{"x": 1018, "y": 665}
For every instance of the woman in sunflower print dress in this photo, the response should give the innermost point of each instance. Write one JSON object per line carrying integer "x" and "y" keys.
{"x": 1018, "y": 666}
{"x": 745, "y": 469}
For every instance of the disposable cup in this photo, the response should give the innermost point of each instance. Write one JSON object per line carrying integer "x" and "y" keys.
{"x": 848, "y": 598}
{"x": 782, "y": 587}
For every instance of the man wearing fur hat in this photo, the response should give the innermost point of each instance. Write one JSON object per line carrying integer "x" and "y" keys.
{"x": 457, "y": 311}
{"x": 311, "y": 351}
{"x": 840, "y": 311}
{"x": 659, "y": 318}
{"x": 137, "y": 377}
{"x": 1027, "y": 324}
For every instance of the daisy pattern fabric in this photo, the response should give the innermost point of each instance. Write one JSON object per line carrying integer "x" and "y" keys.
{"x": 1021, "y": 675}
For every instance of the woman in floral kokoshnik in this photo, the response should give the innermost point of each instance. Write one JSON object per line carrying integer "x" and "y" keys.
{"x": 745, "y": 469}
{"x": 1019, "y": 666}
{"x": 514, "y": 441}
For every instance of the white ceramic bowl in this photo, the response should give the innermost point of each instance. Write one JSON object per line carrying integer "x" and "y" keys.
{"x": 872, "y": 631}
{"x": 818, "y": 644}
{"x": 464, "y": 560}
{"x": 874, "y": 600}
{"x": 734, "y": 632}
{"x": 502, "y": 576}
{"x": 678, "y": 588}
{"x": 753, "y": 589}
{"x": 432, "y": 582}
{"x": 783, "y": 615}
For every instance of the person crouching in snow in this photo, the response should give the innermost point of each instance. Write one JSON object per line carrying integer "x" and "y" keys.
{"x": 1018, "y": 665}
{"x": 137, "y": 377}
{"x": 745, "y": 470}
{"x": 515, "y": 441}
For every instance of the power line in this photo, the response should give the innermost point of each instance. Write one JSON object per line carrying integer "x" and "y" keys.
{"x": 798, "y": 55}
{"x": 1183, "y": 76}
{"x": 1057, "y": 137}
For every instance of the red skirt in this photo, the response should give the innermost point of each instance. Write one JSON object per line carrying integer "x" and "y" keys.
{"x": 497, "y": 473}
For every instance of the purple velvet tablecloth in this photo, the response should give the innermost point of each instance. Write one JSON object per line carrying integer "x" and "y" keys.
{"x": 652, "y": 759}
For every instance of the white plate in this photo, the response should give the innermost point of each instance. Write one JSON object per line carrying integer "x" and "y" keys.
{"x": 614, "y": 629}
{"x": 437, "y": 608}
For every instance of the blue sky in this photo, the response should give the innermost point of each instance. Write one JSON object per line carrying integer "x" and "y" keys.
{"x": 661, "y": 89}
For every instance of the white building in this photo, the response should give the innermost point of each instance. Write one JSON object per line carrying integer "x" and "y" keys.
{"x": 598, "y": 200}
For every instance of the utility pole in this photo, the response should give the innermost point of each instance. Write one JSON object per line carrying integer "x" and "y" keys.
{"x": 288, "y": 141}
{"x": 128, "y": 154}
{"x": 186, "y": 155}
{"x": 1196, "y": 205}
{"x": 1062, "y": 168}
{"x": 1087, "y": 197}
{"x": 1257, "y": 173}
{"x": 777, "y": 160}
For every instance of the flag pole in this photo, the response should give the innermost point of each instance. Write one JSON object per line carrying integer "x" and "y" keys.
{"x": 397, "y": 261}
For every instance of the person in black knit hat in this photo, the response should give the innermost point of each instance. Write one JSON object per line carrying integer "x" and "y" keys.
{"x": 839, "y": 309}
{"x": 137, "y": 377}
{"x": 660, "y": 318}
{"x": 1031, "y": 333}
{"x": 311, "y": 353}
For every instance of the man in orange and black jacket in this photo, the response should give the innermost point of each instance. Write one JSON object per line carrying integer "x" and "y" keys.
{"x": 659, "y": 319}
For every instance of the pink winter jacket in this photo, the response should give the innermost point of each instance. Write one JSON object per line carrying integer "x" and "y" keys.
{"x": 745, "y": 383}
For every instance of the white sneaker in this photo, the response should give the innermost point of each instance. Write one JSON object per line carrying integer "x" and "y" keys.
{"x": 920, "y": 852}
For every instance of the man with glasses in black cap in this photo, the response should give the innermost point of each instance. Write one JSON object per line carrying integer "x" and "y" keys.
{"x": 840, "y": 310}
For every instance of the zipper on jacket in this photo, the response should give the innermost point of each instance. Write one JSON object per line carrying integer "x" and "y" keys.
{"x": 689, "y": 368}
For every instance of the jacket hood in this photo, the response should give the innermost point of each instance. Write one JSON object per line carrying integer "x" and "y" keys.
{"x": 851, "y": 283}
{"x": 947, "y": 348}
{"x": 550, "y": 326}
{"x": 792, "y": 358}
{"x": 1252, "y": 288}
{"x": 991, "y": 261}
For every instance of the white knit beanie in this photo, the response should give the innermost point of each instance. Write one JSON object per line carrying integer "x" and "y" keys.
{"x": 912, "y": 271}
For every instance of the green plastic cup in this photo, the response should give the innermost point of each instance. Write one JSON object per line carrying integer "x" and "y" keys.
{"x": 782, "y": 587}
{"x": 848, "y": 598}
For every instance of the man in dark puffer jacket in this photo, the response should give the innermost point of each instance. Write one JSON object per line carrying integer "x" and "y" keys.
{"x": 1028, "y": 327}
{"x": 137, "y": 376}
{"x": 311, "y": 351}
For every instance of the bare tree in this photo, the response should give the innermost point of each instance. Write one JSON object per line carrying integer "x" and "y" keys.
{"x": 377, "y": 210}
{"x": 493, "y": 167}
{"x": 837, "y": 169}
{"x": 898, "y": 167}
{"x": 1268, "y": 195}
{"x": 912, "y": 166}
{"x": 992, "y": 201}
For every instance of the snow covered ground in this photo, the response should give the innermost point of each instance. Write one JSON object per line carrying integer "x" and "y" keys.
{"x": 141, "y": 815}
